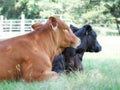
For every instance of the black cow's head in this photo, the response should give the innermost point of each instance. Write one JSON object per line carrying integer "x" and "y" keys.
{"x": 88, "y": 38}
{"x": 89, "y": 43}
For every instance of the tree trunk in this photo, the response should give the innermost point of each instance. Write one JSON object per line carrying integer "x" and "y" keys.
{"x": 117, "y": 23}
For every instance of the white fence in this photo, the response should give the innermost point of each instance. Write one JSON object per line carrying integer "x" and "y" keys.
{"x": 11, "y": 28}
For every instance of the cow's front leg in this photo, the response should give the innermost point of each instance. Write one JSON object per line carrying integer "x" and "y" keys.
{"x": 37, "y": 71}
{"x": 37, "y": 76}
{"x": 48, "y": 75}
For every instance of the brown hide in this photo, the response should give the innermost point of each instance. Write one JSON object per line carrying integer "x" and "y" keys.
{"x": 30, "y": 56}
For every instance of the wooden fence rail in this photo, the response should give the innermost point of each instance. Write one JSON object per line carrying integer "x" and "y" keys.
{"x": 10, "y": 28}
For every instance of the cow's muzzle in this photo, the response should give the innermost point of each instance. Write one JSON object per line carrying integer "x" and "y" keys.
{"x": 76, "y": 43}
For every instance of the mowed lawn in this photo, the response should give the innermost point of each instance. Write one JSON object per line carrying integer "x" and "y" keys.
{"x": 101, "y": 72}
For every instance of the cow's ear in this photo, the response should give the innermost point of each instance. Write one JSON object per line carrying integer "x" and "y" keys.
{"x": 73, "y": 28}
{"x": 88, "y": 27}
{"x": 53, "y": 22}
{"x": 36, "y": 26}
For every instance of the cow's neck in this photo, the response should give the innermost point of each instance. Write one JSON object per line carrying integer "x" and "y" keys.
{"x": 49, "y": 42}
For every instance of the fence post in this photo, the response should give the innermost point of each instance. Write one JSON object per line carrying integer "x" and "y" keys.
{"x": 10, "y": 26}
{"x": 22, "y": 22}
{"x": 32, "y": 24}
{"x": 1, "y": 23}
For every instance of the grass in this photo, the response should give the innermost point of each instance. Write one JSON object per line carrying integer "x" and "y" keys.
{"x": 101, "y": 72}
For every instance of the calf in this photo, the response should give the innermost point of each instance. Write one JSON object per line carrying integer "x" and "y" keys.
{"x": 71, "y": 58}
{"x": 30, "y": 56}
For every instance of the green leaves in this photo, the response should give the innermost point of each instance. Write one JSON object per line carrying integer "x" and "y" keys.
{"x": 107, "y": 6}
{"x": 114, "y": 9}
{"x": 69, "y": 9}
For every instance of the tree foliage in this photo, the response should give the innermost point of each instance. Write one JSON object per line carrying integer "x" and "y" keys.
{"x": 80, "y": 11}
{"x": 114, "y": 10}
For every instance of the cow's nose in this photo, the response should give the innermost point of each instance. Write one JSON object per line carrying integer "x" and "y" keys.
{"x": 98, "y": 48}
{"x": 78, "y": 42}
{"x": 75, "y": 42}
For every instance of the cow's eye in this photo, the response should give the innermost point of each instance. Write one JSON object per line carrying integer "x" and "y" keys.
{"x": 66, "y": 30}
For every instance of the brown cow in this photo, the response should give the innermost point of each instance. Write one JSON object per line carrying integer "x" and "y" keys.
{"x": 30, "y": 56}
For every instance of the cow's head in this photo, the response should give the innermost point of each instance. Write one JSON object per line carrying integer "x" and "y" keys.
{"x": 63, "y": 34}
{"x": 59, "y": 32}
{"x": 89, "y": 43}
{"x": 88, "y": 39}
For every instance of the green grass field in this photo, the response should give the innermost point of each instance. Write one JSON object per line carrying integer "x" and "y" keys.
{"x": 101, "y": 72}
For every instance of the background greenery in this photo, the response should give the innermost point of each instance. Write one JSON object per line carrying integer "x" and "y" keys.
{"x": 79, "y": 11}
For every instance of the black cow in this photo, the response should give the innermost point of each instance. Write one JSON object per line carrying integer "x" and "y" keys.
{"x": 71, "y": 59}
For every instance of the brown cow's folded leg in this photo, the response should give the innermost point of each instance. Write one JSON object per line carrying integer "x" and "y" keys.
{"x": 48, "y": 75}
{"x": 36, "y": 76}
{"x": 37, "y": 71}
